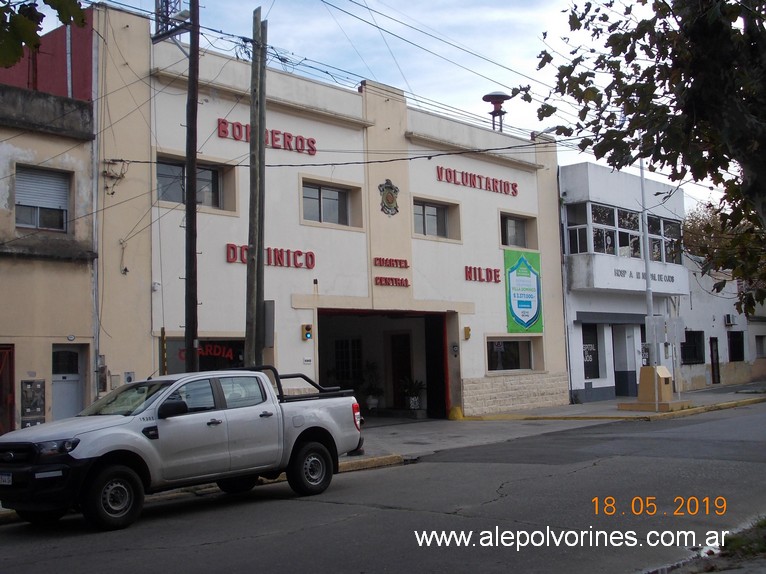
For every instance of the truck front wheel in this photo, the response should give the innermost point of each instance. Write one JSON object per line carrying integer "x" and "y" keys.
{"x": 114, "y": 498}
{"x": 310, "y": 469}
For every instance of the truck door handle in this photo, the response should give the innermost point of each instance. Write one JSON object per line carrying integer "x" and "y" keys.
{"x": 266, "y": 414}
{"x": 214, "y": 422}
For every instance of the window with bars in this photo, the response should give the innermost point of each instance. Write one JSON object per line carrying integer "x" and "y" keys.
{"x": 693, "y": 348}
{"x": 736, "y": 346}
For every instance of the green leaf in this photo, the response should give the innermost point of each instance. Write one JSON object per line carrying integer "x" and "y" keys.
{"x": 69, "y": 11}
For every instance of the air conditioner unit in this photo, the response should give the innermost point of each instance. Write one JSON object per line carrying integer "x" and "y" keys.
{"x": 729, "y": 319}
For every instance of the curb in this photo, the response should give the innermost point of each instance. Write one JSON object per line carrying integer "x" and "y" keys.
{"x": 648, "y": 417}
{"x": 372, "y": 462}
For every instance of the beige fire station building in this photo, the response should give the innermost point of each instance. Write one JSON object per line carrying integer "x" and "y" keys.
{"x": 414, "y": 247}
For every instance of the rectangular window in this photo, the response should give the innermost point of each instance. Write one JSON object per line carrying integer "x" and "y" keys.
{"x": 602, "y": 215}
{"x": 513, "y": 231}
{"x": 241, "y": 391}
{"x": 628, "y": 224}
{"x": 171, "y": 183}
{"x": 509, "y": 354}
{"x": 630, "y": 244}
{"x": 577, "y": 227}
{"x": 577, "y": 214}
{"x": 431, "y": 219}
{"x": 42, "y": 198}
{"x": 736, "y": 346}
{"x": 760, "y": 346}
{"x": 693, "y": 348}
{"x": 325, "y": 204}
{"x": 603, "y": 240}
{"x": 197, "y": 394}
{"x": 578, "y": 240}
{"x": 672, "y": 235}
{"x": 590, "y": 351}
{"x": 664, "y": 239}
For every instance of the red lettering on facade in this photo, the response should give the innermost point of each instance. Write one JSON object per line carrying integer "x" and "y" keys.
{"x": 392, "y": 281}
{"x": 482, "y": 274}
{"x": 210, "y": 350}
{"x": 275, "y": 257}
{"x": 223, "y": 128}
{"x": 231, "y": 253}
{"x": 389, "y": 262}
{"x": 237, "y": 131}
{"x": 275, "y": 139}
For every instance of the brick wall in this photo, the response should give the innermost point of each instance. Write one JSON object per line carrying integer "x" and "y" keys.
{"x": 492, "y": 395}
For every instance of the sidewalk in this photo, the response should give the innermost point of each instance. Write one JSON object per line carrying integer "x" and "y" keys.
{"x": 396, "y": 441}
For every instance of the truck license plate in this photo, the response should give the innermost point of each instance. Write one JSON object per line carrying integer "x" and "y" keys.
{"x": 6, "y": 478}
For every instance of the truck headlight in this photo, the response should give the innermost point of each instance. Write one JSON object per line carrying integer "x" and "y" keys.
{"x": 56, "y": 447}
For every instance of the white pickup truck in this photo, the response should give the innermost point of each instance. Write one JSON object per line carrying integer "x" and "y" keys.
{"x": 227, "y": 427}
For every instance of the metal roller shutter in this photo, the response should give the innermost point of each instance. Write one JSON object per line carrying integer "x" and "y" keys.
{"x": 42, "y": 188}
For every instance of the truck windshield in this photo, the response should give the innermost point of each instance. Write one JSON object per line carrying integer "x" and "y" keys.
{"x": 127, "y": 400}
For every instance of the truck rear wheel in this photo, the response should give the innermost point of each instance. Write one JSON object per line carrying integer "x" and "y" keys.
{"x": 310, "y": 469}
{"x": 114, "y": 498}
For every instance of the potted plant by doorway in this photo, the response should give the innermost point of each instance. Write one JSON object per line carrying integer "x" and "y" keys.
{"x": 411, "y": 389}
{"x": 372, "y": 387}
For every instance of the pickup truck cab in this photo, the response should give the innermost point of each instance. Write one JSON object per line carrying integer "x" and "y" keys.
{"x": 227, "y": 427}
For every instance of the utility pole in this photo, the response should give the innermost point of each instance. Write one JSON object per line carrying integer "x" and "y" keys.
{"x": 254, "y": 306}
{"x": 191, "y": 343}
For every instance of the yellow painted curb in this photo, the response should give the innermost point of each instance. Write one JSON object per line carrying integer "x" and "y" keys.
{"x": 649, "y": 416}
{"x": 706, "y": 409}
{"x": 351, "y": 465}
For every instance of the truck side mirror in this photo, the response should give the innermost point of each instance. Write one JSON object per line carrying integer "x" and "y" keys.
{"x": 172, "y": 408}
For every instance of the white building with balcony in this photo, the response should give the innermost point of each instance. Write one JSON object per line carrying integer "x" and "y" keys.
{"x": 605, "y": 281}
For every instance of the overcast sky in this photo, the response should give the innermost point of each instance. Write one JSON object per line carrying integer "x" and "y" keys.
{"x": 447, "y": 51}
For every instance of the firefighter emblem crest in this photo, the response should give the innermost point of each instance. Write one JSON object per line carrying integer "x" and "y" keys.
{"x": 388, "y": 193}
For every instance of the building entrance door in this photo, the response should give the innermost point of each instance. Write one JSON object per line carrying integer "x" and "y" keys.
{"x": 624, "y": 351}
{"x": 715, "y": 365}
{"x": 7, "y": 397}
{"x": 67, "y": 392}
{"x": 401, "y": 365}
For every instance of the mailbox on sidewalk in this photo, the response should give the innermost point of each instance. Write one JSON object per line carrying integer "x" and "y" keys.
{"x": 655, "y": 378}
{"x": 655, "y": 392}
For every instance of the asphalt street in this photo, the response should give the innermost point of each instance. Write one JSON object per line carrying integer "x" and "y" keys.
{"x": 557, "y": 482}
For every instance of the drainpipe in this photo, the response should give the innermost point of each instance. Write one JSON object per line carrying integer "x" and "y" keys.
{"x": 69, "y": 61}
{"x": 95, "y": 155}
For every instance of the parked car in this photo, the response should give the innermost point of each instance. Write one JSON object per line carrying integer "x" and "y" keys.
{"x": 227, "y": 427}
